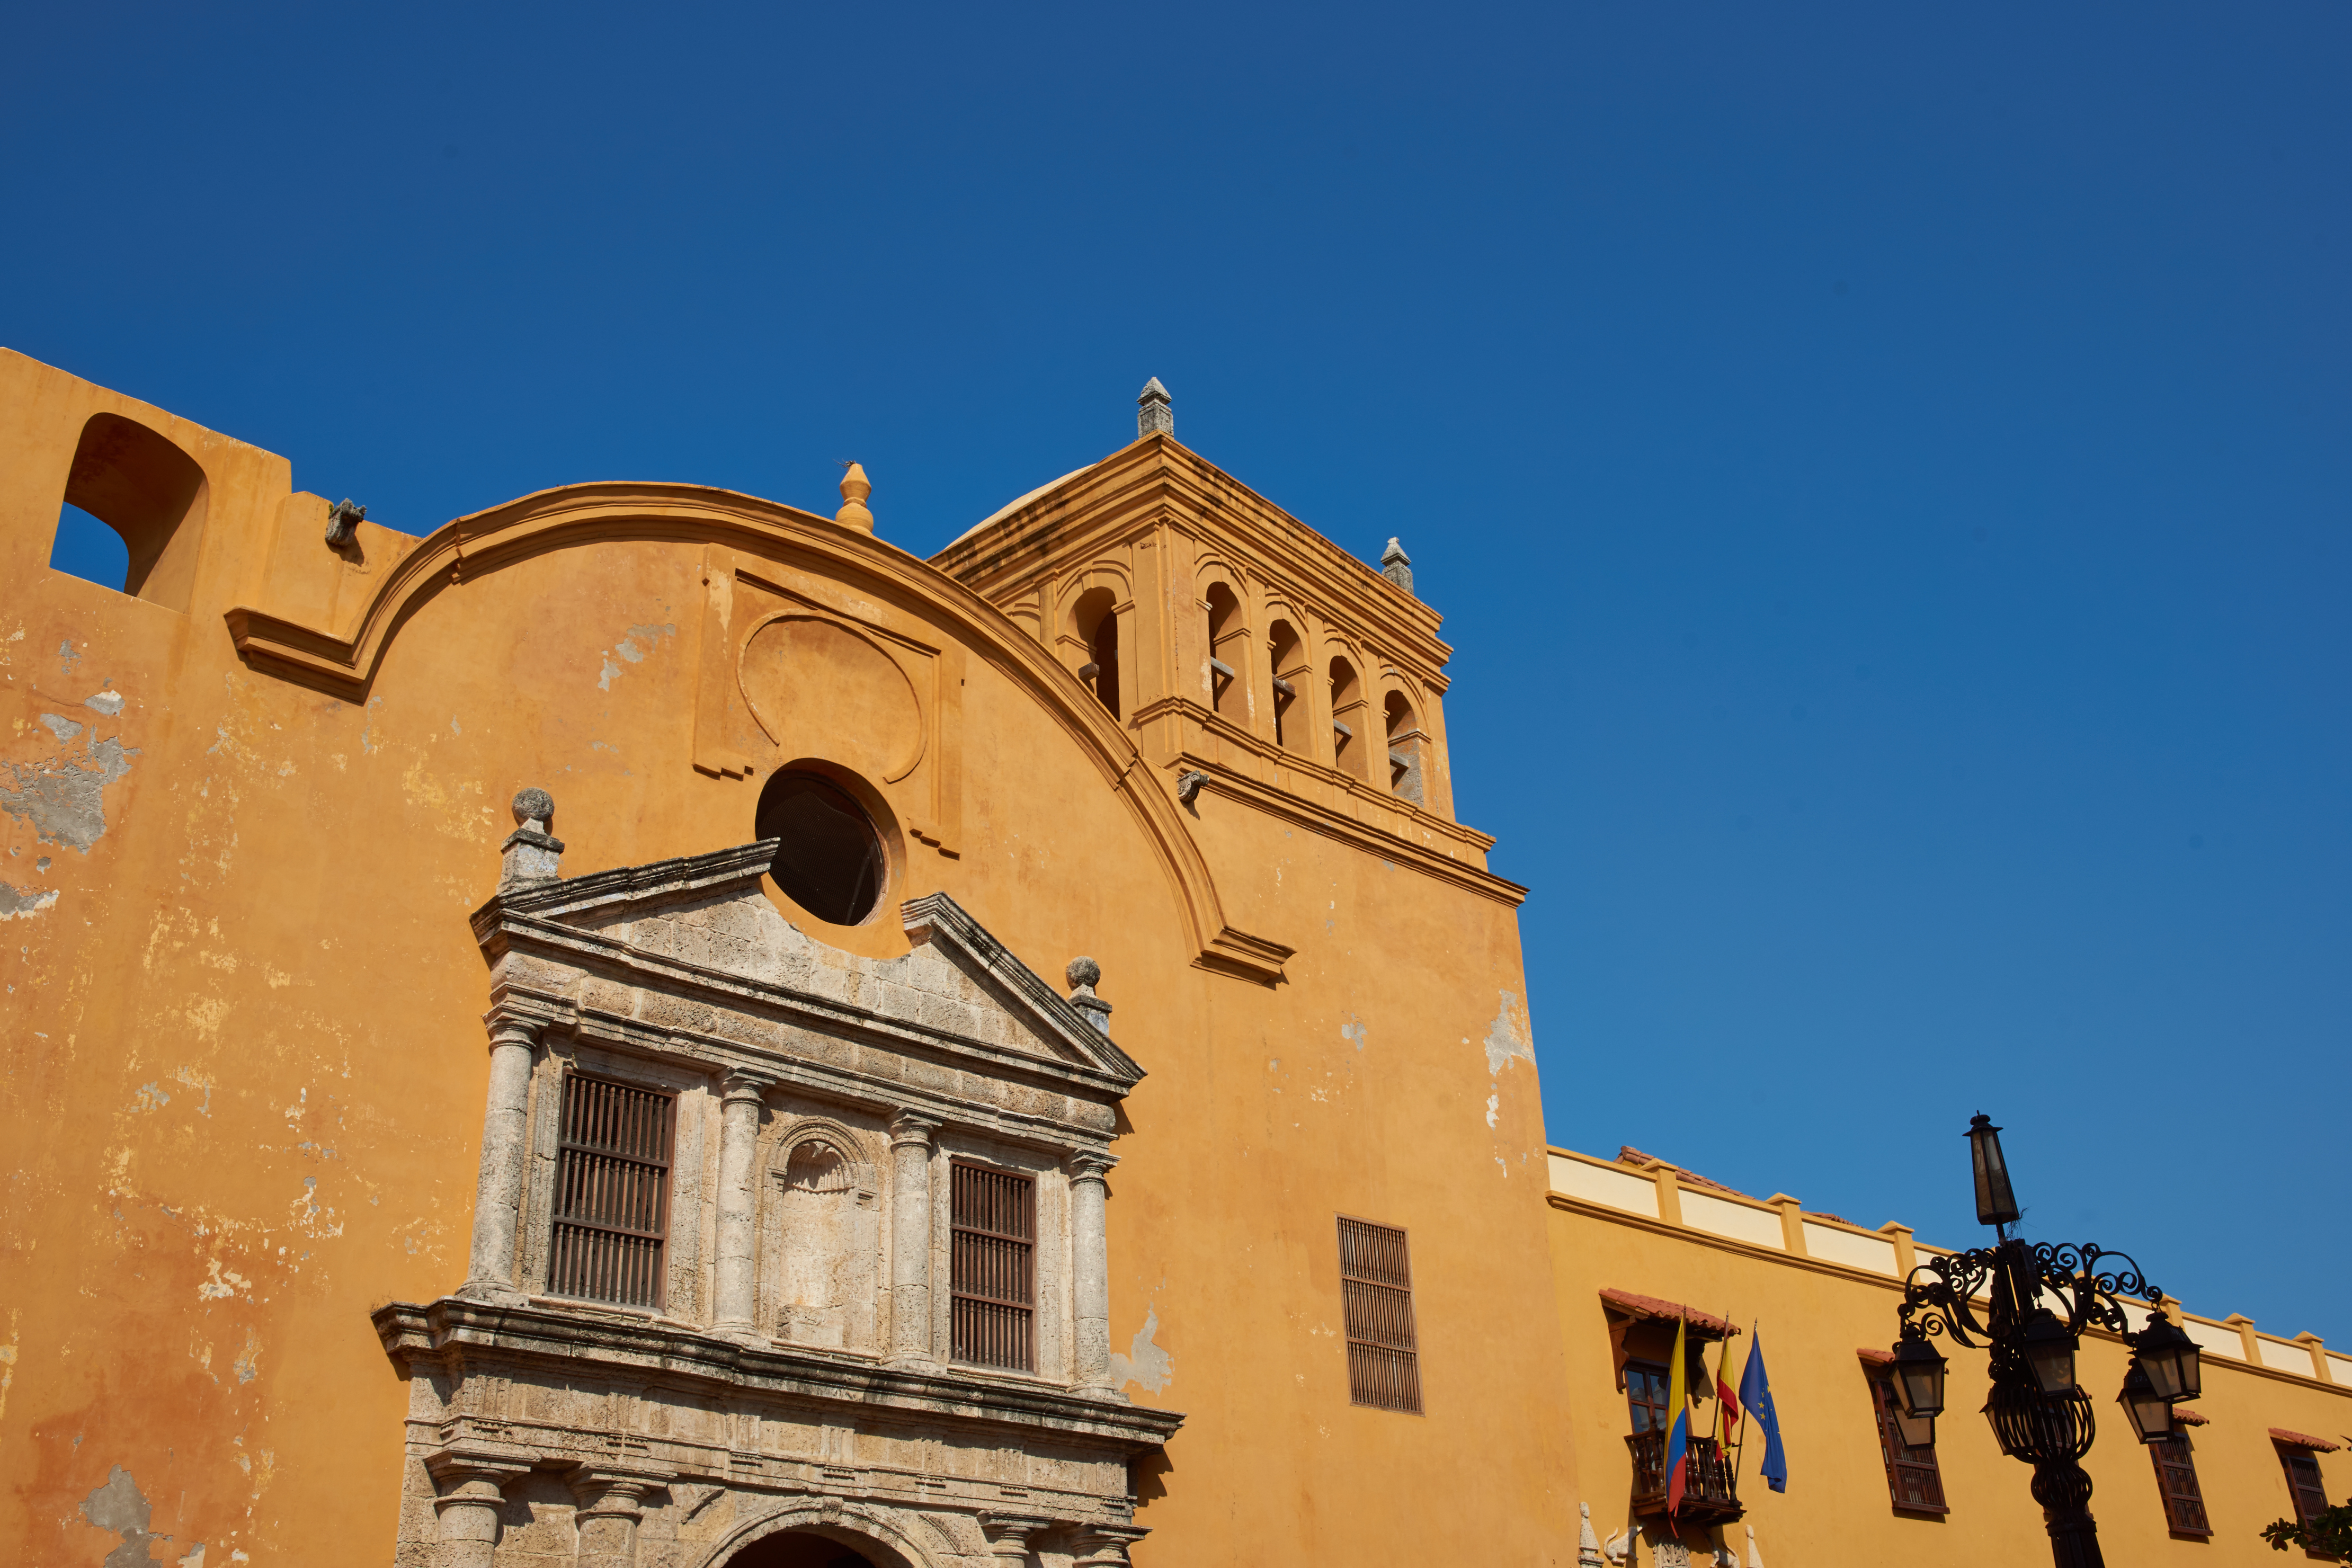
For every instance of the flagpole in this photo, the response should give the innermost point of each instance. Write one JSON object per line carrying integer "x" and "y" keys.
{"x": 1741, "y": 1451}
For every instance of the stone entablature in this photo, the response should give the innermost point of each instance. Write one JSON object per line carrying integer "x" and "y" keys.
{"x": 793, "y": 1364}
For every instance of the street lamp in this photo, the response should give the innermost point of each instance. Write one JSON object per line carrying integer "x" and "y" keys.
{"x": 1993, "y": 1296}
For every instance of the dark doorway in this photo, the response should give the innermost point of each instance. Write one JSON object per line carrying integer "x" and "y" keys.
{"x": 799, "y": 1549}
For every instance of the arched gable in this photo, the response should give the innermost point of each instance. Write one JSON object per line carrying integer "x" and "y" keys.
{"x": 585, "y": 515}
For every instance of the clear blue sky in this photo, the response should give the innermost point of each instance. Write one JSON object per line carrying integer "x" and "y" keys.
{"x": 1885, "y": 468}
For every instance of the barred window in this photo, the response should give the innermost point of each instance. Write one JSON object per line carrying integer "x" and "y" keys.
{"x": 612, "y": 1193}
{"x": 993, "y": 1295}
{"x": 2176, "y": 1482}
{"x": 1914, "y": 1481}
{"x": 1376, "y": 1282}
{"x": 2303, "y": 1481}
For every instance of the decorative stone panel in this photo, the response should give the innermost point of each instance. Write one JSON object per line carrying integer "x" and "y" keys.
{"x": 798, "y": 1370}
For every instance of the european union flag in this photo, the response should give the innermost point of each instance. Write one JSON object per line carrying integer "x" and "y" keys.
{"x": 1756, "y": 1395}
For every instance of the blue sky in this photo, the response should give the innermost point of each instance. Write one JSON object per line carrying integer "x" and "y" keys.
{"x": 1886, "y": 469}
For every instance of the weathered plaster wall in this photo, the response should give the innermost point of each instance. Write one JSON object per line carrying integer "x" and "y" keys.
{"x": 245, "y": 1061}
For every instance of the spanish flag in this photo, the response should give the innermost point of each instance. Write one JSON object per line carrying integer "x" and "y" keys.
{"x": 1677, "y": 1428}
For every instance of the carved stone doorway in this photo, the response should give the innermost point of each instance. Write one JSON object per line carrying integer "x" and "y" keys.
{"x": 804, "y": 1549}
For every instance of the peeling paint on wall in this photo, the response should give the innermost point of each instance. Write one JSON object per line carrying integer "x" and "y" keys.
{"x": 8, "y": 1360}
{"x": 107, "y": 702}
{"x": 63, "y": 728}
{"x": 633, "y": 649}
{"x": 1352, "y": 1031}
{"x": 1508, "y": 1039}
{"x": 120, "y": 1506}
{"x": 23, "y": 904}
{"x": 1145, "y": 1364}
{"x": 64, "y": 798}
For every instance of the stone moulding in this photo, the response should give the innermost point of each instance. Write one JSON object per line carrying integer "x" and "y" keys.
{"x": 524, "y": 934}
{"x": 346, "y": 667}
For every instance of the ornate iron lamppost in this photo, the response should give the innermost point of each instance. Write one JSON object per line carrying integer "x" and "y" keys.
{"x": 1993, "y": 1296}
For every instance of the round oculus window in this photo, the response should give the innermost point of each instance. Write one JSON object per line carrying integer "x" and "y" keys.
{"x": 829, "y": 860}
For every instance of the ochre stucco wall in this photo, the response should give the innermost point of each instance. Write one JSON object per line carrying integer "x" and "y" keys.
{"x": 246, "y": 1058}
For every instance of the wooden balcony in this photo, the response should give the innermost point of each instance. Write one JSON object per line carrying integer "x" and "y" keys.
{"x": 1708, "y": 1495}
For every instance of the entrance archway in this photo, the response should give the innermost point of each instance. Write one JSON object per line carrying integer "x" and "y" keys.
{"x": 803, "y": 1549}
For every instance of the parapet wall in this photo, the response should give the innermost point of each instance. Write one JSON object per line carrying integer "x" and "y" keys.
{"x": 1673, "y": 1198}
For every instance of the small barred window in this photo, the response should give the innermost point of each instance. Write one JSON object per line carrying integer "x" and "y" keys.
{"x": 993, "y": 1266}
{"x": 1376, "y": 1281}
{"x": 612, "y": 1193}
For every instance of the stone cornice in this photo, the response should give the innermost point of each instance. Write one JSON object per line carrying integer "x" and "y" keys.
{"x": 519, "y": 918}
{"x": 1136, "y": 487}
{"x": 573, "y": 1343}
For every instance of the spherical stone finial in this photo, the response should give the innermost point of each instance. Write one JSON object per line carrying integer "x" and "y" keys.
{"x": 854, "y": 489}
{"x": 1083, "y": 972}
{"x": 533, "y": 806}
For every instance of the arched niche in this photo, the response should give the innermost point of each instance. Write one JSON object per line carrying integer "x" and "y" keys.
{"x": 1287, "y": 657}
{"x": 1229, "y": 661}
{"x": 821, "y": 1266}
{"x": 152, "y": 494}
{"x": 1408, "y": 748}
{"x": 1094, "y": 624}
{"x": 1352, "y": 737}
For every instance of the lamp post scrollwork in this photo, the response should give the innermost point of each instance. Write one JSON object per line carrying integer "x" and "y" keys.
{"x": 2029, "y": 1303}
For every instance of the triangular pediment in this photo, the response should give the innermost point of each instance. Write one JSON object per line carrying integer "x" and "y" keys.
{"x": 704, "y": 924}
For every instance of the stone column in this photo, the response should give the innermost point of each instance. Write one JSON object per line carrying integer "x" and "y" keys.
{"x": 611, "y": 1502}
{"x": 738, "y": 1137}
{"x": 468, "y": 1504}
{"x": 1090, "y": 1271}
{"x": 911, "y": 1238}
{"x": 1008, "y": 1534}
{"x": 498, "y": 1191}
{"x": 1105, "y": 1545}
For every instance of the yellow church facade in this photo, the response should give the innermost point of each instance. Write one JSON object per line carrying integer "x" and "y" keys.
{"x": 649, "y": 1028}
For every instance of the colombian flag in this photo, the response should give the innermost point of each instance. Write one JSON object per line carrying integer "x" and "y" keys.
{"x": 1677, "y": 1428}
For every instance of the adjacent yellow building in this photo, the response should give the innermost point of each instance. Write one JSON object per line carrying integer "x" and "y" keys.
{"x": 1638, "y": 1243}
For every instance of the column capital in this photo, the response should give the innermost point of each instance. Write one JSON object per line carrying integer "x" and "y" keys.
{"x": 1008, "y": 1534}
{"x": 739, "y": 1085}
{"x": 513, "y": 1029}
{"x": 1088, "y": 1164}
{"x": 910, "y": 1126}
{"x": 465, "y": 1463}
{"x": 618, "y": 1491}
{"x": 1105, "y": 1545}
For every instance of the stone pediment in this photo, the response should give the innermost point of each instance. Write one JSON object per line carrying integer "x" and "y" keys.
{"x": 698, "y": 936}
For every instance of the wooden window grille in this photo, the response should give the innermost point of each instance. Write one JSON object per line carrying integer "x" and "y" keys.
{"x": 612, "y": 1193}
{"x": 993, "y": 1222}
{"x": 1376, "y": 1283}
{"x": 2303, "y": 1481}
{"x": 2176, "y": 1482}
{"x": 1914, "y": 1482}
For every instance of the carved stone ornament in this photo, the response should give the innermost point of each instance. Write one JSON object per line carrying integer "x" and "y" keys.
{"x": 765, "y": 1342}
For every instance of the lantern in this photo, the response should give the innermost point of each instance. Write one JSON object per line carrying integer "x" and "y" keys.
{"x": 2169, "y": 1356}
{"x": 1996, "y": 1203}
{"x": 2049, "y": 1351}
{"x": 2150, "y": 1412}
{"x": 1915, "y": 1431}
{"x": 1918, "y": 1378}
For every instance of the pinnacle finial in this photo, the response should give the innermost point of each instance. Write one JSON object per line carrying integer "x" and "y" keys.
{"x": 1154, "y": 411}
{"x": 1397, "y": 566}
{"x": 854, "y": 489}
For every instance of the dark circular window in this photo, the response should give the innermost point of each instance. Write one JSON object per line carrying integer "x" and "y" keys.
{"x": 830, "y": 860}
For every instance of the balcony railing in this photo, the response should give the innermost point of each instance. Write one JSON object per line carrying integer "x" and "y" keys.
{"x": 1708, "y": 1495}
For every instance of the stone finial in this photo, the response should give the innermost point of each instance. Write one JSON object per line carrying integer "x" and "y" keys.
{"x": 854, "y": 489}
{"x": 1397, "y": 566}
{"x": 1084, "y": 975}
{"x": 343, "y": 520}
{"x": 1153, "y": 411}
{"x": 530, "y": 852}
